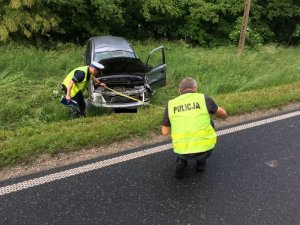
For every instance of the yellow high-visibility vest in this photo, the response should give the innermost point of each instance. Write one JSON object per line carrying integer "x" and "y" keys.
{"x": 191, "y": 130}
{"x": 77, "y": 86}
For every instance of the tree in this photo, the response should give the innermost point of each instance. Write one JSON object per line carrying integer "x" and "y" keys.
{"x": 204, "y": 22}
{"x": 27, "y": 18}
{"x": 211, "y": 22}
{"x": 277, "y": 20}
{"x": 165, "y": 18}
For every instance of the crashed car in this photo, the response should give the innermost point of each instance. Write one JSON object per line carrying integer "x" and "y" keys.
{"x": 124, "y": 73}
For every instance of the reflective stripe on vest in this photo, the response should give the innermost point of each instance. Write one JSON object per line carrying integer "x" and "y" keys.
{"x": 79, "y": 85}
{"x": 191, "y": 129}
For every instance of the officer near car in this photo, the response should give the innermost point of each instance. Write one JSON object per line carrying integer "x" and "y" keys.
{"x": 187, "y": 119}
{"x": 76, "y": 82}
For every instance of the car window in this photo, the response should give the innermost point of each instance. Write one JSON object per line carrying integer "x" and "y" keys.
{"x": 155, "y": 59}
{"x": 113, "y": 54}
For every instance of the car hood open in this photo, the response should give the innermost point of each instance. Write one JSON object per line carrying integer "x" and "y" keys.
{"x": 123, "y": 65}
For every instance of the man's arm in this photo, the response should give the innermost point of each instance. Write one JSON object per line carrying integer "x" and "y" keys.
{"x": 98, "y": 81}
{"x": 214, "y": 109}
{"x": 68, "y": 94}
{"x": 78, "y": 77}
{"x": 166, "y": 125}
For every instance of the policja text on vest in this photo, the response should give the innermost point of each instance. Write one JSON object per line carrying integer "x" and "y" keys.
{"x": 185, "y": 107}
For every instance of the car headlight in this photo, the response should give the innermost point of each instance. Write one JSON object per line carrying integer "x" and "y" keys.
{"x": 97, "y": 97}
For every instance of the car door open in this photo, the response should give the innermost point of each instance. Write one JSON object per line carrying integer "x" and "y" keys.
{"x": 156, "y": 77}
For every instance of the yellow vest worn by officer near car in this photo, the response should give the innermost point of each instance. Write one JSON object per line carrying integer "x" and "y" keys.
{"x": 77, "y": 86}
{"x": 191, "y": 129}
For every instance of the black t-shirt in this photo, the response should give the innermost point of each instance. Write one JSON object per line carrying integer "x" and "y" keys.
{"x": 211, "y": 106}
{"x": 79, "y": 76}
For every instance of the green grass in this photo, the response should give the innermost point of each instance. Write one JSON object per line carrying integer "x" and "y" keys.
{"x": 33, "y": 122}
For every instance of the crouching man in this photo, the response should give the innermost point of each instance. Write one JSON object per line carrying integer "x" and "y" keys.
{"x": 187, "y": 119}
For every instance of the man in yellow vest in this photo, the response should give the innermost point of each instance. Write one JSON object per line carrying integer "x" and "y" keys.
{"x": 77, "y": 80}
{"x": 187, "y": 119}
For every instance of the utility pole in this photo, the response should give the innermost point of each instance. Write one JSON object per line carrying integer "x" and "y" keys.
{"x": 241, "y": 46}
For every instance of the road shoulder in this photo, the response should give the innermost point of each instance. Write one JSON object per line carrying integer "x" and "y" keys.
{"x": 46, "y": 162}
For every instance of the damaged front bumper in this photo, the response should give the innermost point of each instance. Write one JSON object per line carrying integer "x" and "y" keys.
{"x": 114, "y": 100}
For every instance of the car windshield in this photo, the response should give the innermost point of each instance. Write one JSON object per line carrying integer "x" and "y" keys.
{"x": 112, "y": 54}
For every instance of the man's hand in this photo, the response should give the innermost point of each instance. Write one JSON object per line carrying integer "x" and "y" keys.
{"x": 221, "y": 113}
{"x": 165, "y": 130}
{"x": 102, "y": 84}
{"x": 68, "y": 97}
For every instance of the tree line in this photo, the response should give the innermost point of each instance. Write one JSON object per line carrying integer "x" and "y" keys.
{"x": 201, "y": 22}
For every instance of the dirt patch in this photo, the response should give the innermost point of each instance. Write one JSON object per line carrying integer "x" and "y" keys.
{"x": 46, "y": 162}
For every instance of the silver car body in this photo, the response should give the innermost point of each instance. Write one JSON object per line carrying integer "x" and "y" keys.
{"x": 124, "y": 73}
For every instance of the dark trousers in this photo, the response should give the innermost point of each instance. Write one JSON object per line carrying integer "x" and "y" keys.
{"x": 200, "y": 157}
{"x": 78, "y": 98}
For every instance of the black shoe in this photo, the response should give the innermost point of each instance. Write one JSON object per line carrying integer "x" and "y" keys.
{"x": 200, "y": 166}
{"x": 180, "y": 167}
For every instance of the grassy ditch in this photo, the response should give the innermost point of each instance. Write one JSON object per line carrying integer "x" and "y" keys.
{"x": 33, "y": 122}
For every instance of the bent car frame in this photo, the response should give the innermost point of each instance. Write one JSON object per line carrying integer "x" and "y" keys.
{"x": 123, "y": 72}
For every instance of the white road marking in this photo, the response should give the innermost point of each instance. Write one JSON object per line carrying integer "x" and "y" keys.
{"x": 272, "y": 163}
{"x": 101, "y": 164}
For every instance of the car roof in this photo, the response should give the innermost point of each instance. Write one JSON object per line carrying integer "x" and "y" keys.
{"x": 110, "y": 43}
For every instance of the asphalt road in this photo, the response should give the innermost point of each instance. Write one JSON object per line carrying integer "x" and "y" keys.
{"x": 251, "y": 178}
